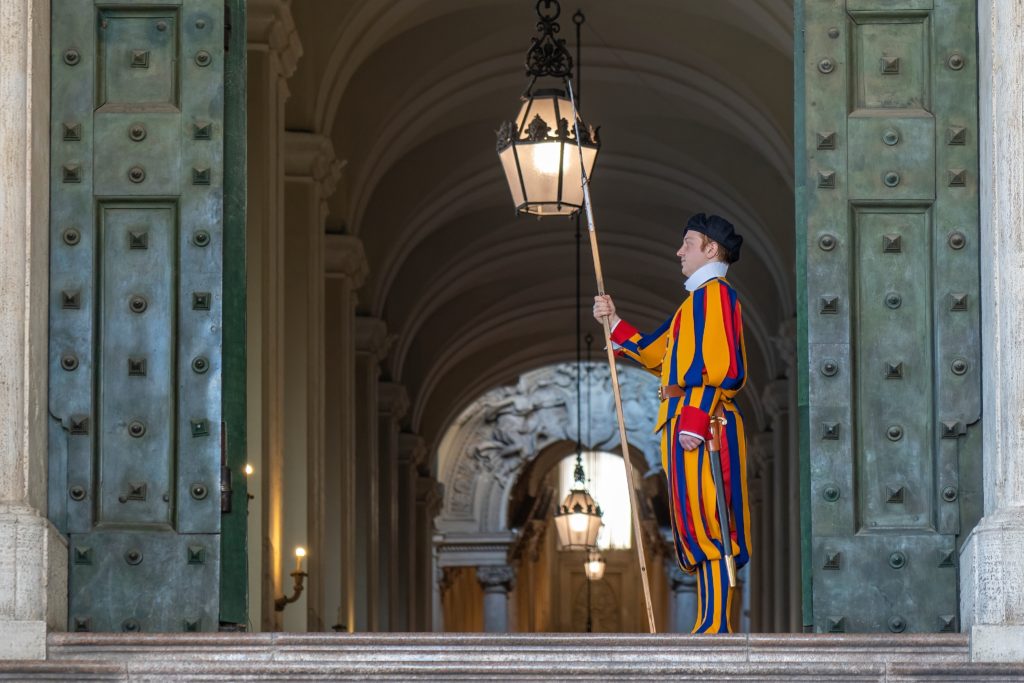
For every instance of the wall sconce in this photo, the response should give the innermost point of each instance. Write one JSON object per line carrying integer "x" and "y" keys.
{"x": 299, "y": 576}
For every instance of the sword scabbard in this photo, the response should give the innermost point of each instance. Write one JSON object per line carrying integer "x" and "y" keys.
{"x": 724, "y": 524}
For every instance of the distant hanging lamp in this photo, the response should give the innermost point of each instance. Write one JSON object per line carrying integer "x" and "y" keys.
{"x": 538, "y": 150}
{"x": 594, "y": 566}
{"x": 578, "y": 519}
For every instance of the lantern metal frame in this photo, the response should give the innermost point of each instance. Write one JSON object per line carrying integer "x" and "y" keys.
{"x": 519, "y": 141}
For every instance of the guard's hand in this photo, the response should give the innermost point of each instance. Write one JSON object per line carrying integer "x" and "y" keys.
{"x": 689, "y": 442}
{"x": 604, "y": 307}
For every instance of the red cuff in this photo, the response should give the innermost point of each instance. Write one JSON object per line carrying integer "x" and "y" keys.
{"x": 694, "y": 420}
{"x": 623, "y": 332}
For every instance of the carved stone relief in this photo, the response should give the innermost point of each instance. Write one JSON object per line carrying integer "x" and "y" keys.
{"x": 506, "y": 428}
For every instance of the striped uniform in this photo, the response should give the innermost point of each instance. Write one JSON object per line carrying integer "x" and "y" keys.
{"x": 701, "y": 349}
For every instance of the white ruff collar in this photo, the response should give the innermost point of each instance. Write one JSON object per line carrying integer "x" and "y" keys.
{"x": 709, "y": 271}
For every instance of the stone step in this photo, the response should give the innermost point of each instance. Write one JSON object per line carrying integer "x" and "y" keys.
{"x": 452, "y": 656}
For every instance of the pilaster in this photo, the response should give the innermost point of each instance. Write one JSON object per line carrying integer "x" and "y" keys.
{"x": 411, "y": 452}
{"x": 273, "y": 50}
{"x": 311, "y": 173}
{"x": 991, "y": 561}
{"x": 346, "y": 268}
{"x": 33, "y": 554}
{"x": 392, "y": 404}
{"x": 429, "y": 498}
{"x": 371, "y": 347}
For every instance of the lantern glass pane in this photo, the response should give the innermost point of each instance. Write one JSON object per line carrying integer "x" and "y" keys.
{"x": 543, "y": 106}
{"x": 572, "y": 187}
{"x": 508, "y": 162}
{"x": 540, "y": 165}
{"x": 562, "y": 527}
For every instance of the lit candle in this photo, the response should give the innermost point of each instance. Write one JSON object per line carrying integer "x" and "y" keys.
{"x": 248, "y": 469}
{"x": 300, "y": 553}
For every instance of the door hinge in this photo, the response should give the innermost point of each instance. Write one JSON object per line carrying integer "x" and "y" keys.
{"x": 227, "y": 25}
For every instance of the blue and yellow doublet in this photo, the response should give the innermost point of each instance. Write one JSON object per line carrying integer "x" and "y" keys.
{"x": 701, "y": 349}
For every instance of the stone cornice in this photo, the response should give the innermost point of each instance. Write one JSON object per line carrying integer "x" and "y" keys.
{"x": 270, "y": 24}
{"x": 309, "y": 155}
{"x": 392, "y": 400}
{"x": 344, "y": 257}
{"x": 465, "y": 550}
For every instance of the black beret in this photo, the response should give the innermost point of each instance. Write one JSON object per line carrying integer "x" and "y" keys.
{"x": 718, "y": 229}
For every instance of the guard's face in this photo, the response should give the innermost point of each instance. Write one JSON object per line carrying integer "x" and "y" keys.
{"x": 692, "y": 256}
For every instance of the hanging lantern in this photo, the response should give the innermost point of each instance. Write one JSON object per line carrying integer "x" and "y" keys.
{"x": 578, "y": 519}
{"x": 538, "y": 150}
{"x": 594, "y": 566}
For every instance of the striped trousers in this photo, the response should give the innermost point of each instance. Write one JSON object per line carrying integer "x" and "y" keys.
{"x": 714, "y": 598}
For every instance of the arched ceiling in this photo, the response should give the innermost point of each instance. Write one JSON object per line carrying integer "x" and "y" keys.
{"x": 694, "y": 99}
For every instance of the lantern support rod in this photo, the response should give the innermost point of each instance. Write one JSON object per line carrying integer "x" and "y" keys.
{"x": 616, "y": 391}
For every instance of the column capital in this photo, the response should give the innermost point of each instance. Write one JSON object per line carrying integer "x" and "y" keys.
{"x": 496, "y": 578}
{"x": 429, "y": 494}
{"x": 759, "y": 454}
{"x": 372, "y": 336}
{"x": 345, "y": 258}
{"x": 775, "y": 399}
{"x": 392, "y": 400}
{"x": 311, "y": 156}
{"x": 269, "y": 23}
{"x": 784, "y": 343}
{"x": 412, "y": 450}
{"x": 446, "y": 577}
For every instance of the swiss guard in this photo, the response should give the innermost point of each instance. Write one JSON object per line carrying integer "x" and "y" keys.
{"x": 701, "y": 359}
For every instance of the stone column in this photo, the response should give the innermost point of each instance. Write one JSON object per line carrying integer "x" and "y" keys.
{"x": 497, "y": 581}
{"x": 775, "y": 399}
{"x": 761, "y": 445}
{"x": 437, "y": 587}
{"x": 392, "y": 402}
{"x": 683, "y": 606}
{"x": 273, "y": 50}
{"x": 33, "y": 554}
{"x": 784, "y": 344}
{"x": 311, "y": 176}
{"x": 411, "y": 453}
{"x": 991, "y": 560}
{"x": 371, "y": 347}
{"x": 346, "y": 269}
{"x": 429, "y": 496}
{"x": 743, "y": 581}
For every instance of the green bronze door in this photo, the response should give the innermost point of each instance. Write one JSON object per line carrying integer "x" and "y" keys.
{"x": 890, "y": 392}
{"x": 137, "y": 228}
